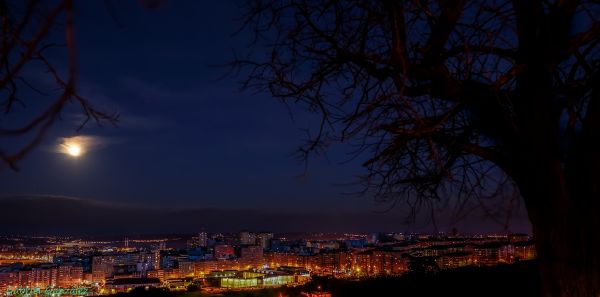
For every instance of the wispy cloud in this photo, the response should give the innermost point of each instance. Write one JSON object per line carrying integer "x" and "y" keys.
{"x": 86, "y": 143}
{"x": 127, "y": 120}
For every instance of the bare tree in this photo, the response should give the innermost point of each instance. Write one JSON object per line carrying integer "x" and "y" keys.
{"x": 28, "y": 31}
{"x": 451, "y": 99}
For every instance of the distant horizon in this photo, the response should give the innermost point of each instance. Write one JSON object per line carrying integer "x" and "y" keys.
{"x": 56, "y": 215}
{"x": 294, "y": 233}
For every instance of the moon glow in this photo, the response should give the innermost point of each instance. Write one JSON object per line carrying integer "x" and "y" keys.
{"x": 74, "y": 150}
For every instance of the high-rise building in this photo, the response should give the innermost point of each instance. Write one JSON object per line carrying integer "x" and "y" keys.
{"x": 247, "y": 237}
{"x": 264, "y": 239}
{"x": 156, "y": 259}
{"x": 7, "y": 278}
{"x": 186, "y": 267}
{"x": 69, "y": 274}
{"x": 202, "y": 239}
{"x": 44, "y": 275}
{"x": 251, "y": 255}
{"x": 102, "y": 267}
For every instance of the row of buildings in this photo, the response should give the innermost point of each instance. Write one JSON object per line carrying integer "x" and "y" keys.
{"x": 391, "y": 259}
{"x": 41, "y": 276}
{"x": 259, "y": 259}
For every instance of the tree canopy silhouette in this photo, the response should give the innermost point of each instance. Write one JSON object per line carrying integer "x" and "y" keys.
{"x": 452, "y": 98}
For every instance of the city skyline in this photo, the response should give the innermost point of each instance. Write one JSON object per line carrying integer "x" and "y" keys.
{"x": 218, "y": 262}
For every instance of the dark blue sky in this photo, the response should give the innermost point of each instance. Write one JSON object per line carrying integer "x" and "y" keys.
{"x": 186, "y": 139}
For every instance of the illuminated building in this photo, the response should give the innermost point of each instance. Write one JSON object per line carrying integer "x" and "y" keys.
{"x": 192, "y": 243}
{"x": 386, "y": 262}
{"x": 277, "y": 280}
{"x": 186, "y": 268}
{"x": 251, "y": 255}
{"x": 454, "y": 260}
{"x": 223, "y": 251}
{"x": 69, "y": 275}
{"x": 506, "y": 254}
{"x": 146, "y": 261}
{"x": 171, "y": 273}
{"x": 276, "y": 259}
{"x": 126, "y": 284}
{"x": 518, "y": 238}
{"x": 330, "y": 262}
{"x": 25, "y": 278}
{"x": 8, "y": 278}
{"x": 362, "y": 263}
{"x": 256, "y": 278}
{"x": 156, "y": 259}
{"x": 524, "y": 250}
{"x": 356, "y": 243}
{"x": 399, "y": 236}
{"x": 222, "y": 273}
{"x": 319, "y": 245}
{"x": 492, "y": 253}
{"x": 158, "y": 273}
{"x": 442, "y": 249}
{"x": 177, "y": 284}
{"x": 38, "y": 276}
{"x": 247, "y": 237}
{"x": 126, "y": 264}
{"x": 202, "y": 239}
{"x": 102, "y": 267}
{"x": 169, "y": 260}
{"x": 264, "y": 239}
{"x": 125, "y": 271}
{"x": 206, "y": 266}
{"x": 231, "y": 282}
{"x": 285, "y": 259}
{"x": 373, "y": 238}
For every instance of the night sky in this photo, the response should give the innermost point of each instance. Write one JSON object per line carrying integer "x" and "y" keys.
{"x": 188, "y": 139}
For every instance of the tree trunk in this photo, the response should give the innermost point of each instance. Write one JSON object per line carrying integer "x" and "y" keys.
{"x": 565, "y": 216}
{"x": 562, "y": 194}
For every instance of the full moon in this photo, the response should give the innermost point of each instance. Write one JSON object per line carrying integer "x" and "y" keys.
{"x": 74, "y": 150}
{"x": 76, "y": 146}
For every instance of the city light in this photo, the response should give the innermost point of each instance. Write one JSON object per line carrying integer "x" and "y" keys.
{"x": 105, "y": 267}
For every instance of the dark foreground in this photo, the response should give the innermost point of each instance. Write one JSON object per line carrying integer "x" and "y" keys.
{"x": 510, "y": 280}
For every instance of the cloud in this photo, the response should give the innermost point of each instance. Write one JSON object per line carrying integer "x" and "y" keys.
{"x": 131, "y": 116}
{"x": 85, "y": 143}
{"x": 127, "y": 120}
